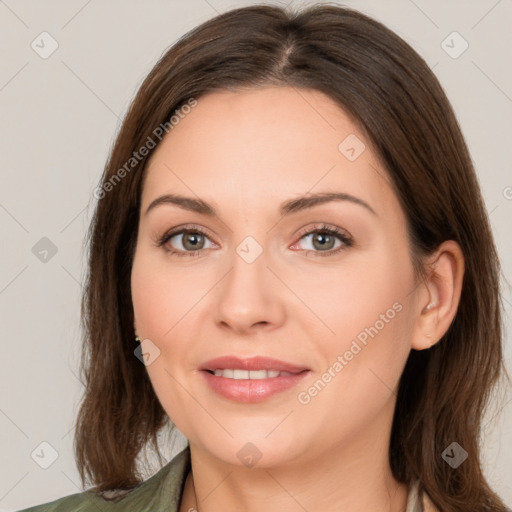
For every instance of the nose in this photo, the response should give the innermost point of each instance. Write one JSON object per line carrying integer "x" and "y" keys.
{"x": 250, "y": 297}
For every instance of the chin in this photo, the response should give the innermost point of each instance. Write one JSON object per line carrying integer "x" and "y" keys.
{"x": 255, "y": 451}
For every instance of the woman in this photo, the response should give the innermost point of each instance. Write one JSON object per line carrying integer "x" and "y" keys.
{"x": 290, "y": 228}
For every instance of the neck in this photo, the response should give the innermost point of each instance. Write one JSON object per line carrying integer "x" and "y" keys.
{"x": 353, "y": 476}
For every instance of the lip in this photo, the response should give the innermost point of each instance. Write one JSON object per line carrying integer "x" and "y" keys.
{"x": 247, "y": 390}
{"x": 251, "y": 363}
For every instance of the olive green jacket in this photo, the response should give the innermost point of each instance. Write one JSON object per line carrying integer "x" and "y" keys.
{"x": 160, "y": 493}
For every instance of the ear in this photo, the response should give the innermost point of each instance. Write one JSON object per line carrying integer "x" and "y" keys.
{"x": 438, "y": 296}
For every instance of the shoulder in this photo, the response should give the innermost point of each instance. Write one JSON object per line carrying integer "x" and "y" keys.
{"x": 161, "y": 492}
{"x": 75, "y": 502}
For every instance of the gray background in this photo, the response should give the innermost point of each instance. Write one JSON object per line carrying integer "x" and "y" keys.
{"x": 59, "y": 116}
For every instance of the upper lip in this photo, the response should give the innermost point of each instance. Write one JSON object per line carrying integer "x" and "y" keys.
{"x": 251, "y": 363}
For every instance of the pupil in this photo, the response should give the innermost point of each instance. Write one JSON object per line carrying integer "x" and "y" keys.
{"x": 192, "y": 236}
{"x": 324, "y": 239}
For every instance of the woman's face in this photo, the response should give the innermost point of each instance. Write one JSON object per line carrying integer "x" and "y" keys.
{"x": 262, "y": 278}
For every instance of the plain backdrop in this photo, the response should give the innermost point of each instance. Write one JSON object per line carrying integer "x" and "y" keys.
{"x": 59, "y": 117}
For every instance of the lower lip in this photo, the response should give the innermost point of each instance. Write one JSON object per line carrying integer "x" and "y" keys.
{"x": 251, "y": 390}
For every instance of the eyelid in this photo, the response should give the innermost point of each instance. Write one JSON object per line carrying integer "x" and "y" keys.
{"x": 322, "y": 226}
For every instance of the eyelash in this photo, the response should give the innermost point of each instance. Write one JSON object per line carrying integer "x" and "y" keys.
{"x": 323, "y": 228}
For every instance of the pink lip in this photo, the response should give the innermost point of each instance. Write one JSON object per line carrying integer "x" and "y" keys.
{"x": 247, "y": 390}
{"x": 251, "y": 363}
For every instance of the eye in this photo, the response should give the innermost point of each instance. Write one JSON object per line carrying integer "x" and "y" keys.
{"x": 323, "y": 239}
{"x": 190, "y": 241}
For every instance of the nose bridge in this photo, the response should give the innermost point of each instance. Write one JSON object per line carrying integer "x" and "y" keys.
{"x": 248, "y": 278}
{"x": 247, "y": 295}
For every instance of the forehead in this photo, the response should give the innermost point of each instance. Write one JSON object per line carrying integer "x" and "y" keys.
{"x": 261, "y": 146}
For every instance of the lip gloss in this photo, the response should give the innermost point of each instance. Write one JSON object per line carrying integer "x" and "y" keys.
{"x": 251, "y": 390}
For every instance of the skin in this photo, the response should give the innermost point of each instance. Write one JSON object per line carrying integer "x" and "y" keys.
{"x": 245, "y": 153}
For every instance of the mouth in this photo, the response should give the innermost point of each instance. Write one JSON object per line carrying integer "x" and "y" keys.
{"x": 252, "y": 379}
{"x": 237, "y": 374}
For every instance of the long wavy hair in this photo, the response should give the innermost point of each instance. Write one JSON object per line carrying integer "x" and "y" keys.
{"x": 390, "y": 91}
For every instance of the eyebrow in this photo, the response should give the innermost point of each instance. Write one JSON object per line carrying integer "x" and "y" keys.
{"x": 286, "y": 208}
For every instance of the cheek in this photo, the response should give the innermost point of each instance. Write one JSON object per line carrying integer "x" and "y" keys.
{"x": 159, "y": 302}
{"x": 363, "y": 291}
{"x": 158, "y": 294}
{"x": 358, "y": 382}
{"x": 367, "y": 308}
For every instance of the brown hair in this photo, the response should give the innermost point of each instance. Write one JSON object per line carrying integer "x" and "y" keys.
{"x": 390, "y": 91}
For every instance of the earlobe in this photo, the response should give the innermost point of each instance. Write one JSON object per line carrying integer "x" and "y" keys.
{"x": 439, "y": 296}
